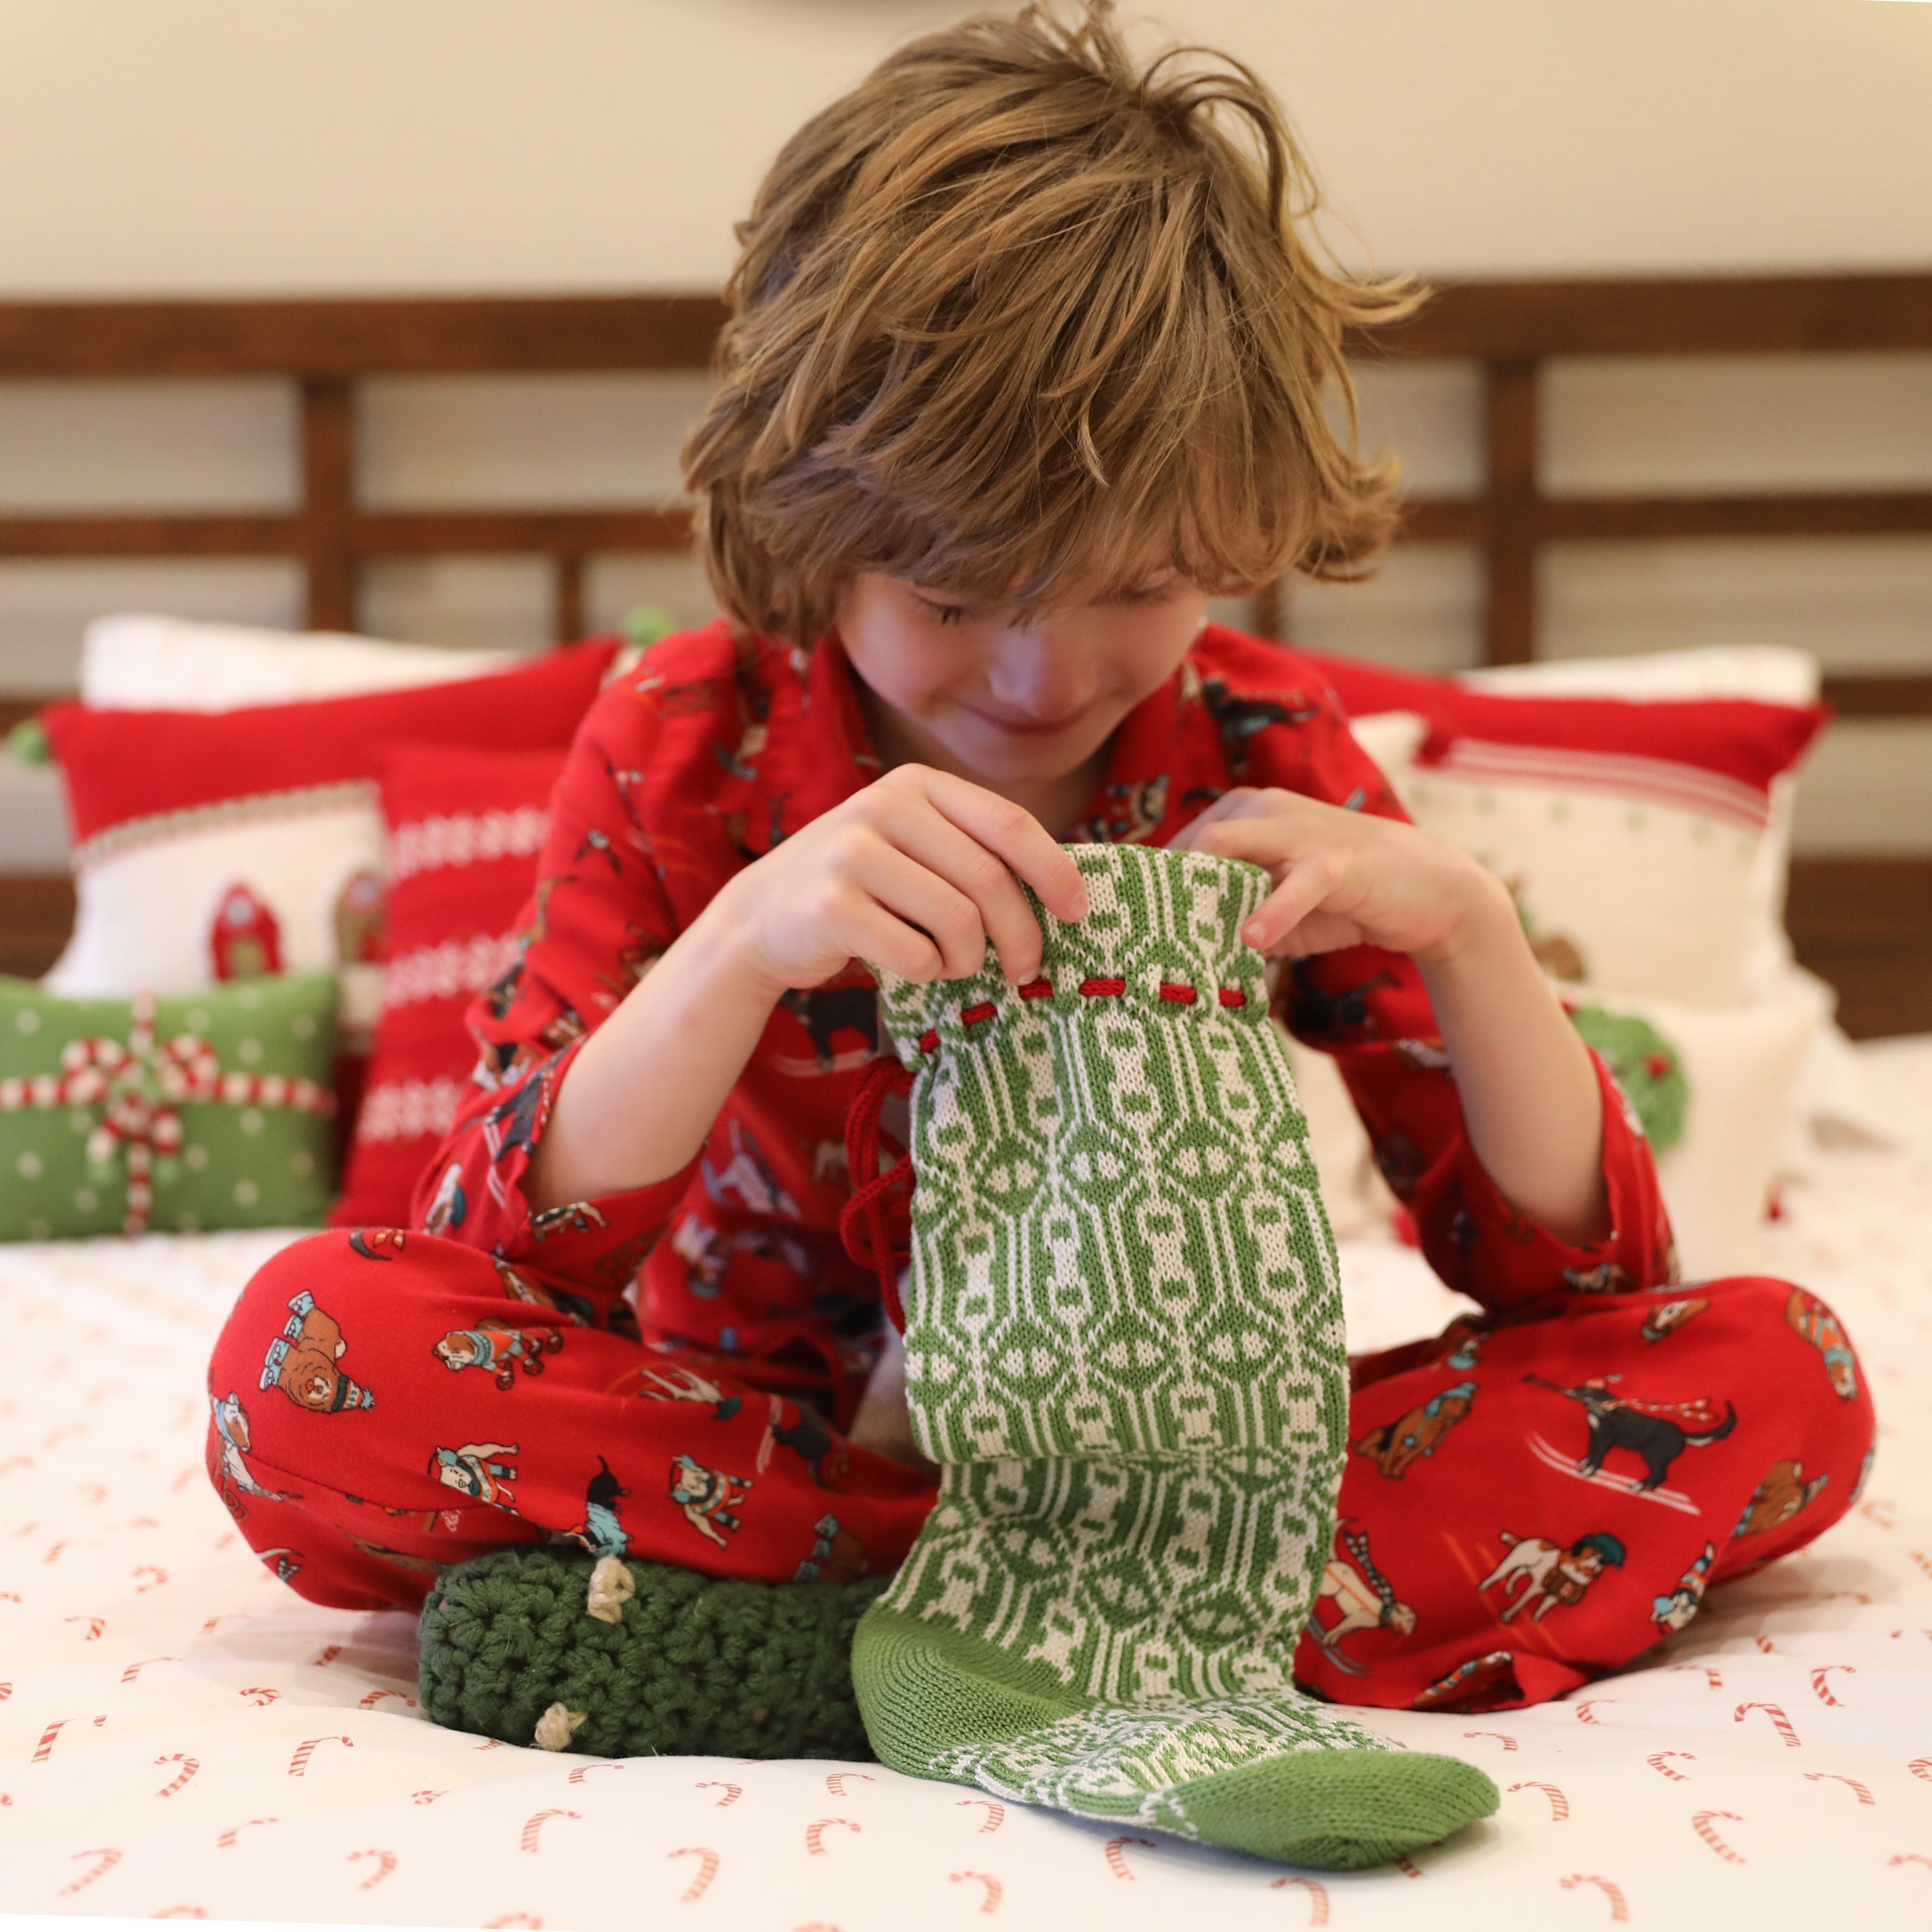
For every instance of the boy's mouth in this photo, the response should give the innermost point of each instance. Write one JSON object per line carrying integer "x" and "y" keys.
{"x": 1028, "y": 728}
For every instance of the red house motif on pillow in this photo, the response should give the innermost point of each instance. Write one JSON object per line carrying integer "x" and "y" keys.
{"x": 361, "y": 919}
{"x": 246, "y": 938}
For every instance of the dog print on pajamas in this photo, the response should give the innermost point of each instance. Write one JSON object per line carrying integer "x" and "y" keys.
{"x": 1364, "y": 1597}
{"x": 708, "y": 1497}
{"x": 680, "y": 1384}
{"x": 1658, "y": 1432}
{"x": 1393, "y": 1446}
{"x": 474, "y": 1472}
{"x": 1669, "y": 1316}
{"x": 379, "y": 1244}
{"x": 1549, "y": 1574}
{"x": 1783, "y": 1493}
{"x": 837, "y": 1555}
{"x": 1810, "y": 1318}
{"x": 1672, "y": 1613}
{"x": 301, "y": 1362}
{"x": 497, "y": 1349}
{"x": 600, "y": 1532}
{"x": 231, "y": 1429}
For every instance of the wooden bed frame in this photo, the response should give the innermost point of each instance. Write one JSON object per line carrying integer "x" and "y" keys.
{"x": 1866, "y": 924}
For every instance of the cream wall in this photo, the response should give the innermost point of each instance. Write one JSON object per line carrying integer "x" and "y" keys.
{"x": 203, "y": 146}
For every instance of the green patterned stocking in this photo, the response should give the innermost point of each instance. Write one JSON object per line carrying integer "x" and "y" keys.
{"x": 1124, "y": 1347}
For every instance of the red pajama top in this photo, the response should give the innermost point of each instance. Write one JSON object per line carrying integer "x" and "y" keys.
{"x": 706, "y": 754}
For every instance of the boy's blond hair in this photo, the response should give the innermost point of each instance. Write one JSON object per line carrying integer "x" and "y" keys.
{"x": 1021, "y": 319}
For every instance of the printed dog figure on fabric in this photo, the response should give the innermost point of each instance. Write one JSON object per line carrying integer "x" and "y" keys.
{"x": 1674, "y": 1613}
{"x": 1365, "y": 1597}
{"x": 1550, "y": 1575}
{"x": 1658, "y": 1432}
{"x": 475, "y": 1472}
{"x": 708, "y": 1497}
{"x": 1395, "y": 1445}
{"x": 494, "y": 1346}
{"x": 301, "y": 1362}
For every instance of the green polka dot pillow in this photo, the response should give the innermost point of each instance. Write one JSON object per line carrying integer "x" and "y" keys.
{"x": 206, "y": 1110}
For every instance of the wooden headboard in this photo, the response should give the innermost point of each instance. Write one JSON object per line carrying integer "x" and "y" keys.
{"x": 1865, "y": 923}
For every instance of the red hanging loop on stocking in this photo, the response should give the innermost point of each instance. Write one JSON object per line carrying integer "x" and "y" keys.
{"x": 861, "y": 1222}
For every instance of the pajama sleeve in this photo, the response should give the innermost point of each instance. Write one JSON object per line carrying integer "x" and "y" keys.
{"x": 1368, "y": 1008}
{"x": 598, "y": 920}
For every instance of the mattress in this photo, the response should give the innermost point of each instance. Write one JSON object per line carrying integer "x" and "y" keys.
{"x": 180, "y": 1736}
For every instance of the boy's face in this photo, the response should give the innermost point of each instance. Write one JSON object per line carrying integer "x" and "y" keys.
{"x": 968, "y": 687}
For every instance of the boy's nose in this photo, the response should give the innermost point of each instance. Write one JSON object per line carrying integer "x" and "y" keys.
{"x": 1040, "y": 678}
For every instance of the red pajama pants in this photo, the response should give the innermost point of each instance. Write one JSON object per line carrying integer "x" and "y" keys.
{"x": 1528, "y": 1503}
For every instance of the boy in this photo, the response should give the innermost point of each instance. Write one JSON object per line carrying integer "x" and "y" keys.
{"x": 1027, "y": 360}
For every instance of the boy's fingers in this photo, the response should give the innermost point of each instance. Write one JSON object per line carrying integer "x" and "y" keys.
{"x": 1301, "y": 889}
{"x": 880, "y": 939}
{"x": 1016, "y": 836}
{"x": 914, "y": 892}
{"x": 932, "y": 840}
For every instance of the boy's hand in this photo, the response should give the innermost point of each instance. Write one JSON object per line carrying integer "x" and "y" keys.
{"x": 915, "y": 873}
{"x": 1344, "y": 878}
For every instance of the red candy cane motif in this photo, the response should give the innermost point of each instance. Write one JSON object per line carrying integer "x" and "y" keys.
{"x": 1922, "y": 1767}
{"x": 1509, "y": 1744}
{"x": 837, "y": 1782}
{"x": 224, "y": 1616}
{"x": 1584, "y": 1711}
{"x": 134, "y": 1670}
{"x": 517, "y": 1919}
{"x": 1865, "y": 1796}
{"x": 328, "y": 1654}
{"x": 732, "y": 1792}
{"x": 1117, "y": 1862}
{"x": 1909, "y": 1859}
{"x": 262, "y": 1693}
{"x": 153, "y": 1569}
{"x": 234, "y": 1832}
{"x": 182, "y": 1912}
{"x": 815, "y": 1834}
{"x": 385, "y": 1863}
{"x": 189, "y": 1766}
{"x": 1317, "y": 1896}
{"x": 1775, "y": 1712}
{"x": 996, "y": 1813}
{"x": 707, "y": 1869}
{"x": 95, "y": 1625}
{"x": 1559, "y": 1805}
{"x": 1715, "y": 1679}
{"x": 299, "y": 1764}
{"x": 109, "y": 1859}
{"x": 1824, "y": 1689}
{"x": 583, "y": 1771}
{"x": 995, "y": 1890}
{"x": 1619, "y": 1907}
{"x": 1765, "y": 1644}
{"x": 1655, "y": 1761}
{"x": 1408, "y": 1868}
{"x": 534, "y": 1825}
{"x": 426, "y": 1797}
{"x": 375, "y": 1697}
{"x": 44, "y": 1749}
{"x": 1700, "y": 1823}
{"x": 1879, "y": 1513}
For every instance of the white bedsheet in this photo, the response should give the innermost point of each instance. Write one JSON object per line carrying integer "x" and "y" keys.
{"x": 180, "y": 1735}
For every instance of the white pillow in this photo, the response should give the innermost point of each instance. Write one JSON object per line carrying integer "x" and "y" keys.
{"x": 134, "y": 662}
{"x": 1742, "y": 1065}
{"x": 1772, "y": 674}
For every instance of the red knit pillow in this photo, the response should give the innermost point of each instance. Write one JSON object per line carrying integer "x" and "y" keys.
{"x": 465, "y": 827}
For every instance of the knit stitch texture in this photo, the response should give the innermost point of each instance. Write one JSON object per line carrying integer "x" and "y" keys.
{"x": 694, "y": 1666}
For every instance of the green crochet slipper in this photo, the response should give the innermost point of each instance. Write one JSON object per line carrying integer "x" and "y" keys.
{"x": 551, "y": 1647}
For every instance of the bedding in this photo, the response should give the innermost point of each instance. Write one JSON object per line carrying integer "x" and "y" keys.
{"x": 181, "y": 1736}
